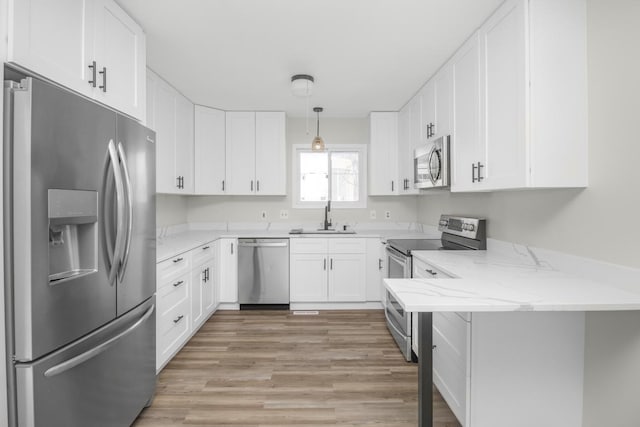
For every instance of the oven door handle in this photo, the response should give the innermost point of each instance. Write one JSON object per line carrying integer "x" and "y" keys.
{"x": 391, "y": 321}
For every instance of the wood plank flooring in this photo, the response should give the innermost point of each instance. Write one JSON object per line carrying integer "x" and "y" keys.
{"x": 273, "y": 368}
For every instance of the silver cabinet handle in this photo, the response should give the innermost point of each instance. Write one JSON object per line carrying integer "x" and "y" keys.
{"x": 178, "y": 319}
{"x": 223, "y": 185}
{"x": 81, "y": 358}
{"x": 379, "y": 263}
{"x": 231, "y": 248}
{"x": 92, "y": 82}
{"x": 104, "y": 79}
{"x": 431, "y": 272}
{"x": 206, "y": 247}
{"x": 258, "y": 185}
{"x": 392, "y": 185}
{"x": 325, "y": 264}
{"x": 331, "y": 264}
{"x": 177, "y": 260}
{"x": 175, "y": 285}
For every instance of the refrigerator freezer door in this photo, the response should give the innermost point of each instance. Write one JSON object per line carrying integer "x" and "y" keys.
{"x": 58, "y": 147}
{"x": 105, "y": 379}
{"x": 136, "y": 149}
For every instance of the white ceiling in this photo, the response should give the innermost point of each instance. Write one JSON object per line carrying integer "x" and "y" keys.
{"x": 365, "y": 55}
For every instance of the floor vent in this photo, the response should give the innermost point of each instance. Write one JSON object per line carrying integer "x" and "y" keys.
{"x": 306, "y": 312}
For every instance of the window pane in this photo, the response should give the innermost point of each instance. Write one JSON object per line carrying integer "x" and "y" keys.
{"x": 314, "y": 177}
{"x": 344, "y": 176}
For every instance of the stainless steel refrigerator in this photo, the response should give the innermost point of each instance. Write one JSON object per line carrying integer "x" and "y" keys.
{"x": 79, "y": 200}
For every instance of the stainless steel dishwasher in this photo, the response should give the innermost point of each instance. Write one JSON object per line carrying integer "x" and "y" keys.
{"x": 263, "y": 273}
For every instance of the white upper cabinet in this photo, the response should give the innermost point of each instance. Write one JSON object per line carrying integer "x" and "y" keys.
{"x": 409, "y": 137}
{"x": 90, "y": 46}
{"x": 255, "y": 153}
{"x": 428, "y": 119}
{"x": 466, "y": 145}
{"x": 209, "y": 158}
{"x": 241, "y": 154}
{"x": 270, "y": 154}
{"x": 171, "y": 116}
{"x": 443, "y": 83}
{"x": 383, "y": 152}
{"x": 119, "y": 52}
{"x": 532, "y": 91}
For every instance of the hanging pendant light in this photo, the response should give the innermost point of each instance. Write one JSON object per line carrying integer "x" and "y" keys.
{"x": 318, "y": 143}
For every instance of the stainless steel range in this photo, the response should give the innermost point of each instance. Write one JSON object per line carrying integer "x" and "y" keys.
{"x": 458, "y": 233}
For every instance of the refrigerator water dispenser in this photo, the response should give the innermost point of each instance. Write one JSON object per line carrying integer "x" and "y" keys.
{"x": 73, "y": 234}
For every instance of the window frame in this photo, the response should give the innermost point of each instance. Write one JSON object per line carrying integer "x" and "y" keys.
{"x": 361, "y": 149}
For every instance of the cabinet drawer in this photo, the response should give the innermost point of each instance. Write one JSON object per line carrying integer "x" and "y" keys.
{"x": 174, "y": 266}
{"x": 425, "y": 270}
{"x": 202, "y": 254}
{"x": 172, "y": 330}
{"x": 173, "y": 292}
{"x": 347, "y": 245}
{"x": 305, "y": 245}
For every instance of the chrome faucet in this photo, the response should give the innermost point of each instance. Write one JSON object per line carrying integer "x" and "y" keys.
{"x": 327, "y": 219}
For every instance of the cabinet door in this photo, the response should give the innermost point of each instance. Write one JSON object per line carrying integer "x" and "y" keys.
{"x": 347, "y": 274}
{"x": 308, "y": 276}
{"x": 54, "y": 39}
{"x": 209, "y": 159}
{"x": 184, "y": 143}
{"x": 504, "y": 86}
{"x": 270, "y": 154}
{"x": 208, "y": 288}
{"x": 150, "y": 117}
{"x": 374, "y": 274}
{"x": 165, "y": 127}
{"x": 428, "y": 119}
{"x": 198, "y": 276}
{"x": 240, "y": 146}
{"x": 383, "y": 153}
{"x": 443, "y": 104}
{"x": 466, "y": 145}
{"x": 405, "y": 148}
{"x": 119, "y": 50}
{"x": 228, "y": 270}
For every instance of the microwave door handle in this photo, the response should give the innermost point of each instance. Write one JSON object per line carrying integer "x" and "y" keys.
{"x": 129, "y": 200}
{"x": 119, "y": 245}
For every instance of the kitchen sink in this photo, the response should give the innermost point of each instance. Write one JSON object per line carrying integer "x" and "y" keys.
{"x": 321, "y": 231}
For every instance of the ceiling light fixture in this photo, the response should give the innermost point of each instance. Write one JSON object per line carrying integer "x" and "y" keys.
{"x": 302, "y": 86}
{"x": 318, "y": 143}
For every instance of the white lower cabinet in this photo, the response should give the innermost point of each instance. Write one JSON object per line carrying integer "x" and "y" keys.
{"x": 186, "y": 297}
{"x": 228, "y": 270}
{"x": 328, "y": 270}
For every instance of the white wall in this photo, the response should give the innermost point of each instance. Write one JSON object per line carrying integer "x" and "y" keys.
{"x": 249, "y": 208}
{"x": 170, "y": 210}
{"x": 580, "y": 221}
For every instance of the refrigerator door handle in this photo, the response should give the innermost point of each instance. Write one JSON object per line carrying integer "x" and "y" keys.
{"x": 90, "y": 354}
{"x": 129, "y": 199}
{"x": 119, "y": 245}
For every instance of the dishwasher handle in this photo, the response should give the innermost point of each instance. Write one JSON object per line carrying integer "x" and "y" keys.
{"x": 263, "y": 245}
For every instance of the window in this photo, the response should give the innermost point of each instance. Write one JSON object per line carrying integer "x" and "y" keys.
{"x": 337, "y": 174}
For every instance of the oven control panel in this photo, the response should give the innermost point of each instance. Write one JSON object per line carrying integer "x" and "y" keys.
{"x": 473, "y": 228}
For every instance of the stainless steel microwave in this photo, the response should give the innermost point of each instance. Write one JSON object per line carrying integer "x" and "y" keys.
{"x": 432, "y": 164}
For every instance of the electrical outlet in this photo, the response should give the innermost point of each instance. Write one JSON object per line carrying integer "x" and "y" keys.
{"x": 263, "y": 214}
{"x": 284, "y": 214}
{"x": 387, "y": 214}
{"x": 372, "y": 215}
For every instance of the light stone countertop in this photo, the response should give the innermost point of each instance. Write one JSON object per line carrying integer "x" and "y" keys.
{"x": 509, "y": 277}
{"x": 185, "y": 239}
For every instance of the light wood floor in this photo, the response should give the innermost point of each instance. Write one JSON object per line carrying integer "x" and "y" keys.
{"x": 273, "y": 368}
